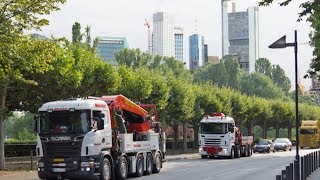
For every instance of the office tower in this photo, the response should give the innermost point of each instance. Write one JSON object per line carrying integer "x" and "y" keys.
{"x": 163, "y": 35}
{"x": 108, "y": 46}
{"x": 227, "y": 6}
{"x": 196, "y": 51}
{"x": 178, "y": 37}
{"x": 205, "y": 54}
{"x": 244, "y": 37}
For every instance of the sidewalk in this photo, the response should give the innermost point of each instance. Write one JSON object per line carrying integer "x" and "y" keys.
{"x": 315, "y": 175}
{"x": 182, "y": 156}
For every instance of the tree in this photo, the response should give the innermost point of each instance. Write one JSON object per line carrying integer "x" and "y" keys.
{"x": 264, "y": 66}
{"x": 260, "y": 85}
{"x": 76, "y": 33}
{"x": 310, "y": 10}
{"x": 226, "y": 73}
{"x": 17, "y": 16}
{"x": 280, "y": 79}
{"x": 133, "y": 58}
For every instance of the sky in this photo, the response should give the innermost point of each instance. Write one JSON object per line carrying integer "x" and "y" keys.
{"x": 127, "y": 18}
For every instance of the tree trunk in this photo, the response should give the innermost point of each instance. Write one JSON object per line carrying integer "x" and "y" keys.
{"x": 250, "y": 128}
{"x": 265, "y": 129}
{"x": 196, "y": 135}
{"x": 277, "y": 129}
{"x": 184, "y": 142}
{"x": 3, "y": 94}
{"x": 290, "y": 132}
{"x": 175, "y": 137}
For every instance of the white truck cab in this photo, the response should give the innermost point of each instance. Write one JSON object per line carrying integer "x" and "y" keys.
{"x": 220, "y": 137}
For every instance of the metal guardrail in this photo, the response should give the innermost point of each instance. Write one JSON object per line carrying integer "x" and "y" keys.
{"x": 308, "y": 164}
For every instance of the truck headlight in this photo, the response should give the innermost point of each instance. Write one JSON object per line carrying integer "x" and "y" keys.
{"x": 200, "y": 149}
{"x": 87, "y": 164}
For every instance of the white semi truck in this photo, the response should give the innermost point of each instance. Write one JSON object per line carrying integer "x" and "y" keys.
{"x": 105, "y": 138}
{"x": 220, "y": 137}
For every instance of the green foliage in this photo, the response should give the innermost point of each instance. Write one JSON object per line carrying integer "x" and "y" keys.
{"x": 18, "y": 125}
{"x": 257, "y": 84}
{"x": 226, "y": 73}
{"x": 133, "y": 58}
{"x": 76, "y": 33}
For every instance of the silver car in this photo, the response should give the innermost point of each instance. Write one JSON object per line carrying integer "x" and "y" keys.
{"x": 282, "y": 144}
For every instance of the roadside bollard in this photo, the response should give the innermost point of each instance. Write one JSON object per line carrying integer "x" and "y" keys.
{"x": 291, "y": 171}
{"x": 284, "y": 175}
{"x": 302, "y": 168}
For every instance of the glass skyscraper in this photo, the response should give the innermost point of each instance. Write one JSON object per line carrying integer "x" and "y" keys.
{"x": 178, "y": 37}
{"x": 196, "y": 51}
{"x": 108, "y": 46}
{"x": 244, "y": 37}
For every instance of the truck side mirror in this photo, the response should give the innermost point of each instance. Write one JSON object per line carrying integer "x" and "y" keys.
{"x": 36, "y": 120}
{"x": 100, "y": 123}
{"x": 231, "y": 129}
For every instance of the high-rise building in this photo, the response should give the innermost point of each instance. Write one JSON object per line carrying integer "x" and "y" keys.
{"x": 205, "y": 54}
{"x": 244, "y": 37}
{"x": 178, "y": 43}
{"x": 227, "y": 6}
{"x": 108, "y": 46}
{"x": 163, "y": 35}
{"x": 196, "y": 51}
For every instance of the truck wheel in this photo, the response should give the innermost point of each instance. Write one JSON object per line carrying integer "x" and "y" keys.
{"x": 245, "y": 151}
{"x": 249, "y": 151}
{"x": 238, "y": 152}
{"x": 232, "y": 153}
{"x": 139, "y": 166}
{"x": 149, "y": 165}
{"x": 204, "y": 156}
{"x": 121, "y": 169}
{"x": 106, "y": 173}
{"x": 157, "y": 164}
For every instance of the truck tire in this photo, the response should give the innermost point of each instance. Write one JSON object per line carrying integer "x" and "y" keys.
{"x": 106, "y": 173}
{"x": 139, "y": 166}
{"x": 232, "y": 153}
{"x": 121, "y": 169}
{"x": 245, "y": 151}
{"x": 157, "y": 163}
{"x": 204, "y": 156}
{"x": 249, "y": 150}
{"x": 149, "y": 165}
{"x": 238, "y": 152}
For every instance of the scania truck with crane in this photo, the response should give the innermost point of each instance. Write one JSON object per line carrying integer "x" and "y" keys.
{"x": 104, "y": 138}
{"x": 220, "y": 137}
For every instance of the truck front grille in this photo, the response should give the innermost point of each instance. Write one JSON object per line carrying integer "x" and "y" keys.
{"x": 62, "y": 149}
{"x": 211, "y": 141}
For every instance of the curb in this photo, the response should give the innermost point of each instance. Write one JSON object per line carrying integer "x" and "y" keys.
{"x": 182, "y": 157}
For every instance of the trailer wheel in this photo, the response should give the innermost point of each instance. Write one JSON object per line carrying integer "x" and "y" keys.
{"x": 149, "y": 165}
{"x": 121, "y": 169}
{"x": 106, "y": 173}
{"x": 245, "y": 151}
{"x": 204, "y": 156}
{"x": 249, "y": 151}
{"x": 157, "y": 164}
{"x": 139, "y": 166}
{"x": 232, "y": 153}
{"x": 238, "y": 152}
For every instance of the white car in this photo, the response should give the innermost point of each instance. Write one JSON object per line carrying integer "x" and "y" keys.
{"x": 282, "y": 144}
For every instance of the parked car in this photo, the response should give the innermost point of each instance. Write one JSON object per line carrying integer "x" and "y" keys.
{"x": 264, "y": 145}
{"x": 282, "y": 144}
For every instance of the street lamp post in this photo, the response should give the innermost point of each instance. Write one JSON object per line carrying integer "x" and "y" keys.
{"x": 281, "y": 43}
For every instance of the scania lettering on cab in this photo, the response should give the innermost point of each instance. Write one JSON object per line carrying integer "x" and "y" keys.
{"x": 220, "y": 137}
{"x": 104, "y": 137}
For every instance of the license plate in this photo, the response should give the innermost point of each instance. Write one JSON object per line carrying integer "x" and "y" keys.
{"x": 58, "y": 169}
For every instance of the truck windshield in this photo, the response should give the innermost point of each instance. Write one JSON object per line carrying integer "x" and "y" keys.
{"x": 213, "y": 128}
{"x": 64, "y": 121}
{"x": 308, "y": 131}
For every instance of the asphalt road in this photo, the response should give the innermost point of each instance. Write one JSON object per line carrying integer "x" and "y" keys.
{"x": 261, "y": 166}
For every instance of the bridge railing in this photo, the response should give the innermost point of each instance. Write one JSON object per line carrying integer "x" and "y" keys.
{"x": 308, "y": 164}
